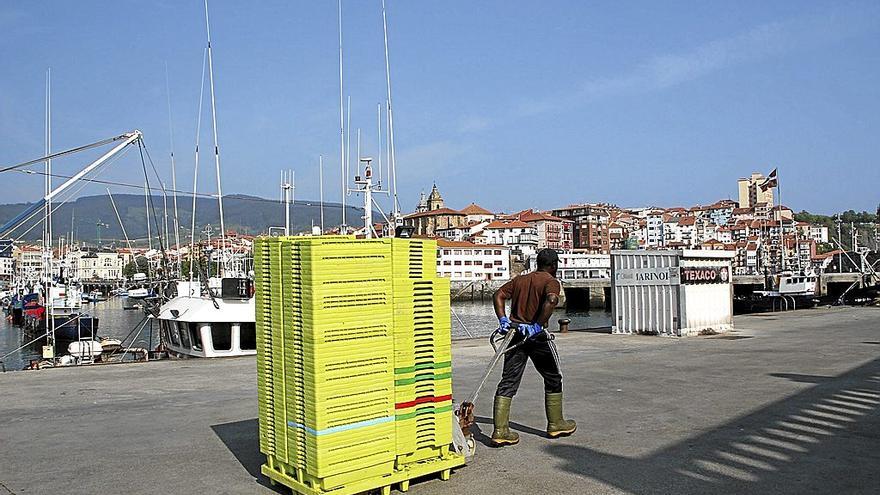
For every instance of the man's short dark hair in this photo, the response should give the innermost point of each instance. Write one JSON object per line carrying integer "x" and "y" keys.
{"x": 547, "y": 258}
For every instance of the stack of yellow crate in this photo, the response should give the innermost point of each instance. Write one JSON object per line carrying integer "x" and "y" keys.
{"x": 354, "y": 363}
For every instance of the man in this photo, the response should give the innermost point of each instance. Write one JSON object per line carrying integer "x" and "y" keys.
{"x": 533, "y": 297}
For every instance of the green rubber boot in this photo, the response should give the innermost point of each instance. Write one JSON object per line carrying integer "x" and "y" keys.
{"x": 556, "y": 425}
{"x": 502, "y": 435}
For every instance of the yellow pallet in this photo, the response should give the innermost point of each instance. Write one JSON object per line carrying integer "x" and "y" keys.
{"x": 365, "y": 480}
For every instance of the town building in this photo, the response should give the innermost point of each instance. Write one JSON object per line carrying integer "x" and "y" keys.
{"x": 579, "y": 265}
{"x": 463, "y": 232}
{"x": 28, "y": 263}
{"x": 553, "y": 232}
{"x": 751, "y": 192}
{"x": 467, "y": 261}
{"x": 818, "y": 233}
{"x": 89, "y": 264}
{"x": 477, "y": 214}
{"x": 521, "y": 237}
{"x": 432, "y": 215}
{"x": 589, "y": 227}
{"x": 7, "y": 270}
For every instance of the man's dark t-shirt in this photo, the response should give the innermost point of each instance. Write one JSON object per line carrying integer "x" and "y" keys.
{"x": 527, "y": 293}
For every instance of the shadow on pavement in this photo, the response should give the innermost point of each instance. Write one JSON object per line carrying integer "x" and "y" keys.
{"x": 485, "y": 440}
{"x": 824, "y": 439}
{"x": 242, "y": 439}
{"x": 795, "y": 377}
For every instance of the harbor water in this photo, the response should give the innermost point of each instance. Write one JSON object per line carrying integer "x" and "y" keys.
{"x": 469, "y": 320}
{"x": 113, "y": 321}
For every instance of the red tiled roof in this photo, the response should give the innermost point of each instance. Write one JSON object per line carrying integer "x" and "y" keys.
{"x": 537, "y": 217}
{"x": 687, "y": 221}
{"x": 432, "y": 213}
{"x": 475, "y": 209}
{"x": 513, "y": 224}
{"x": 827, "y": 255}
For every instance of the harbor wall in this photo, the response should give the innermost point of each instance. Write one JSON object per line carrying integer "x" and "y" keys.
{"x": 483, "y": 290}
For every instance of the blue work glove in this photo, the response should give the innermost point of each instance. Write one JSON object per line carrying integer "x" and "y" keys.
{"x": 529, "y": 330}
{"x": 503, "y": 325}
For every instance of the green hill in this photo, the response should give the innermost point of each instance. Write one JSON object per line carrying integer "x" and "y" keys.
{"x": 244, "y": 214}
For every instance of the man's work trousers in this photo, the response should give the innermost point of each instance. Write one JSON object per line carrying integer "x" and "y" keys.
{"x": 543, "y": 354}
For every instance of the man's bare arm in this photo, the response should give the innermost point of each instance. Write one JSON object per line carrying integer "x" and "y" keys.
{"x": 547, "y": 308}
{"x": 498, "y": 300}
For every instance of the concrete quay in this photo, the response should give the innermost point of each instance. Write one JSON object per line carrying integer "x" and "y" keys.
{"x": 786, "y": 404}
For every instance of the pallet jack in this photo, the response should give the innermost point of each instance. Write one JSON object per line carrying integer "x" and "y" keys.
{"x": 464, "y": 419}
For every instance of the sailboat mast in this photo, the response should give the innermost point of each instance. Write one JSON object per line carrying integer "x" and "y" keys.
{"x": 147, "y": 208}
{"x": 192, "y": 238}
{"x": 341, "y": 120}
{"x": 392, "y": 159}
{"x": 47, "y": 222}
{"x": 781, "y": 220}
{"x": 173, "y": 172}
{"x": 216, "y": 145}
{"x": 348, "y": 143}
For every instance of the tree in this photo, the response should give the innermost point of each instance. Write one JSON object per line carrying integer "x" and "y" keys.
{"x": 139, "y": 265}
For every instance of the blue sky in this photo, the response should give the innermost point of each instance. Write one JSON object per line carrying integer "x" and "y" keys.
{"x": 510, "y": 104}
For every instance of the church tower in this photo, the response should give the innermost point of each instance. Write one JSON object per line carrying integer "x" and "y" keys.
{"x": 423, "y": 203}
{"x": 435, "y": 201}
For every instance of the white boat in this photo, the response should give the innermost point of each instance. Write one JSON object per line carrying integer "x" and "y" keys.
{"x": 792, "y": 284}
{"x": 138, "y": 293}
{"x": 197, "y": 325}
{"x": 85, "y": 349}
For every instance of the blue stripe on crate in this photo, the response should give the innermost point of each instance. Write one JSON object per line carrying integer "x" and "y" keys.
{"x": 337, "y": 429}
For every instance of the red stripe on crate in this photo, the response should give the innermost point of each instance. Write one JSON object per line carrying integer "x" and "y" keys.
{"x": 422, "y": 400}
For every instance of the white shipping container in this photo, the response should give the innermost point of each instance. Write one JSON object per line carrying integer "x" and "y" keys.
{"x": 671, "y": 292}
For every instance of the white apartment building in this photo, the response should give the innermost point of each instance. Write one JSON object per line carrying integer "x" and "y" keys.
{"x": 574, "y": 265}
{"x": 521, "y": 237}
{"x": 91, "y": 265}
{"x": 654, "y": 230}
{"x": 818, "y": 233}
{"x": 462, "y": 232}
{"x": 28, "y": 263}
{"x": 7, "y": 269}
{"x": 466, "y": 261}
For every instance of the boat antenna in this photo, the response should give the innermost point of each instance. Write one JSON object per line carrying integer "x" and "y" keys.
{"x": 192, "y": 234}
{"x": 379, "y": 141}
{"x": 173, "y": 171}
{"x": 216, "y": 145}
{"x": 341, "y": 121}
{"x": 348, "y": 141}
{"x": 287, "y": 190}
{"x": 395, "y": 206}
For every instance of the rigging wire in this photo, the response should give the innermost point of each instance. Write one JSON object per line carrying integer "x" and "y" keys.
{"x": 63, "y": 153}
{"x": 201, "y": 195}
{"x": 68, "y": 195}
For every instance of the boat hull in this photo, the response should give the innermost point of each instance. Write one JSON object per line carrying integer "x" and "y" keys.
{"x": 66, "y": 328}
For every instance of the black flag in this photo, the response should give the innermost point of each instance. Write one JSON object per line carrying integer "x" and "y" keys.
{"x": 771, "y": 181}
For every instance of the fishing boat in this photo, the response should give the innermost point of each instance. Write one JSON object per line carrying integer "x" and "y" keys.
{"x": 63, "y": 308}
{"x": 210, "y": 324}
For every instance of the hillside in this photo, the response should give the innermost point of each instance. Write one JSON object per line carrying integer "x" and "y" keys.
{"x": 245, "y": 214}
